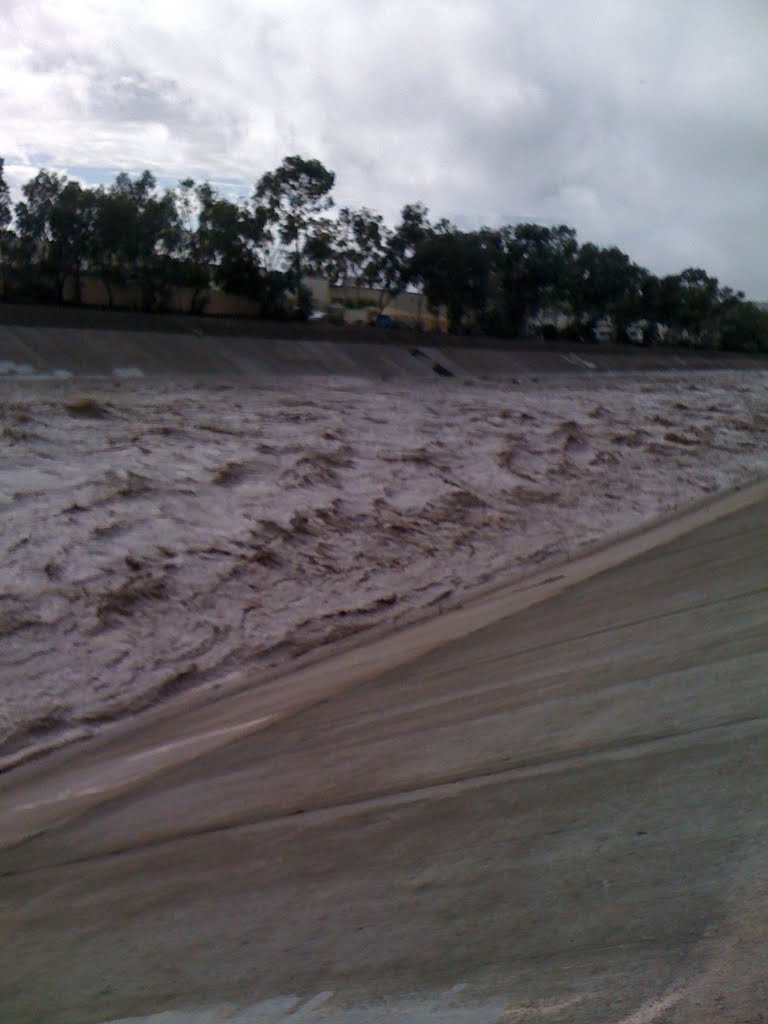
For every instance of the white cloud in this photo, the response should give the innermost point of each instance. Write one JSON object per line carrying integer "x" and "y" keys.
{"x": 640, "y": 123}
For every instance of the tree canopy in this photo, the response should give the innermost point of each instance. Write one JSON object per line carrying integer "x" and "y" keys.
{"x": 498, "y": 281}
{"x": 295, "y": 196}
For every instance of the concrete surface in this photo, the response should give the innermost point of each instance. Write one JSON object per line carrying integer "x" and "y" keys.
{"x": 84, "y": 342}
{"x": 558, "y": 816}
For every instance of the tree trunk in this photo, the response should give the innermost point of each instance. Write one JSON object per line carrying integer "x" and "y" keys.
{"x": 78, "y": 297}
{"x": 194, "y": 307}
{"x": 147, "y": 293}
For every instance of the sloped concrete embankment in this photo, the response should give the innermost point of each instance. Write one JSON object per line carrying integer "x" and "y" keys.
{"x": 27, "y": 351}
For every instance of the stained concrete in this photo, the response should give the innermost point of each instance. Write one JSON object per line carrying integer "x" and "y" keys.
{"x": 82, "y": 342}
{"x": 560, "y": 815}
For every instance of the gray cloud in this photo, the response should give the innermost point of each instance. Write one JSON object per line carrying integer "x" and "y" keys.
{"x": 641, "y": 124}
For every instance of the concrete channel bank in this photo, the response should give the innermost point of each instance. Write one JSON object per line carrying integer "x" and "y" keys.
{"x": 558, "y": 816}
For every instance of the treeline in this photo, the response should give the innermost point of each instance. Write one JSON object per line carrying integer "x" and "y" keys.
{"x": 493, "y": 281}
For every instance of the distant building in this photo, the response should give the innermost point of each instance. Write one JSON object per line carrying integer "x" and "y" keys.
{"x": 603, "y": 330}
{"x": 548, "y": 316}
{"x": 636, "y": 332}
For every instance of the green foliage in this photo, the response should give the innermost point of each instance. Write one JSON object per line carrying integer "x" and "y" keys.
{"x": 149, "y": 232}
{"x": 54, "y": 224}
{"x": 6, "y": 215}
{"x": 493, "y": 280}
{"x": 743, "y": 326}
{"x": 397, "y": 267}
{"x": 219, "y": 242}
{"x": 5, "y": 198}
{"x": 295, "y": 196}
{"x": 304, "y": 303}
{"x": 530, "y": 269}
{"x": 352, "y": 248}
{"x": 605, "y": 282}
{"x": 321, "y": 253}
{"x": 454, "y": 267}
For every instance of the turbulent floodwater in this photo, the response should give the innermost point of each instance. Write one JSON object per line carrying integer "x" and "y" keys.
{"x": 159, "y": 535}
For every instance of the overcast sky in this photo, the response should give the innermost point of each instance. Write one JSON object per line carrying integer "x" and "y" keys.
{"x": 642, "y": 123}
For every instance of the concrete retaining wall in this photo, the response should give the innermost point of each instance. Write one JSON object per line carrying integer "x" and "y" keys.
{"x": 50, "y": 350}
